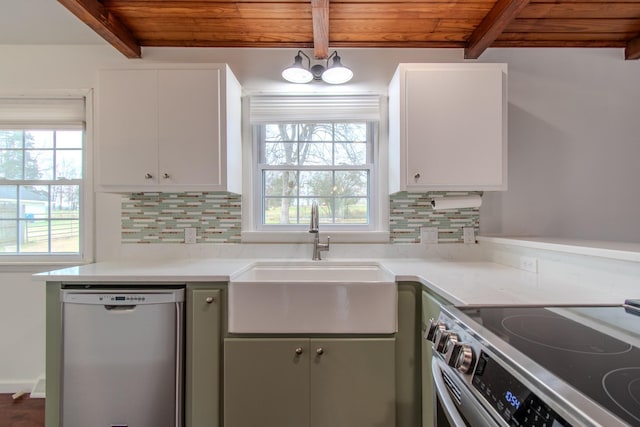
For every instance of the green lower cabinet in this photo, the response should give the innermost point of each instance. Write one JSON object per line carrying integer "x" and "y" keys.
{"x": 202, "y": 361}
{"x": 302, "y": 382}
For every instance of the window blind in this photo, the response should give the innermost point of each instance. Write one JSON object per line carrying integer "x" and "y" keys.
{"x": 308, "y": 108}
{"x": 42, "y": 111}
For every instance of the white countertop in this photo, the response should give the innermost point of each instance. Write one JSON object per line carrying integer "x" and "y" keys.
{"x": 469, "y": 283}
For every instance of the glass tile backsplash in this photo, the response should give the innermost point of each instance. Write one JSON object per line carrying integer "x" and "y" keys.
{"x": 409, "y": 212}
{"x": 162, "y": 217}
{"x": 216, "y": 217}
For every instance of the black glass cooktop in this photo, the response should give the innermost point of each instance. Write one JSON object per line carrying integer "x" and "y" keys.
{"x": 594, "y": 349}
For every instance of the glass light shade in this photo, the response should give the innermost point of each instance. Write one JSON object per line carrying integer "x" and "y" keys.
{"x": 297, "y": 73}
{"x": 337, "y": 73}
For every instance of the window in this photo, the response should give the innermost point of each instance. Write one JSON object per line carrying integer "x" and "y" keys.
{"x": 314, "y": 148}
{"x": 330, "y": 163}
{"x": 41, "y": 179}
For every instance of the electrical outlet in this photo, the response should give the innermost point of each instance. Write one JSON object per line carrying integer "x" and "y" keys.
{"x": 190, "y": 235}
{"x": 429, "y": 235}
{"x": 468, "y": 235}
{"x": 528, "y": 263}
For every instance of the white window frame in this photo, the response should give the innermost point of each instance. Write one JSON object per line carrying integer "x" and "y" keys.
{"x": 377, "y": 231}
{"x": 20, "y": 261}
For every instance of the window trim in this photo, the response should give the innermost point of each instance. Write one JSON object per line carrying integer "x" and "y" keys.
{"x": 86, "y": 218}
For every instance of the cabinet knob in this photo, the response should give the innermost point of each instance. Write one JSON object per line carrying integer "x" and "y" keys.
{"x": 148, "y": 176}
{"x": 319, "y": 351}
{"x": 416, "y": 177}
{"x": 166, "y": 176}
{"x": 209, "y": 300}
{"x": 299, "y": 351}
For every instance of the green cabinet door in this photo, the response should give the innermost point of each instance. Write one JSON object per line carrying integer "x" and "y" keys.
{"x": 353, "y": 382}
{"x": 266, "y": 382}
{"x": 202, "y": 382}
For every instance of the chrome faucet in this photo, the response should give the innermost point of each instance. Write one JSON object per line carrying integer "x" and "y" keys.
{"x": 314, "y": 227}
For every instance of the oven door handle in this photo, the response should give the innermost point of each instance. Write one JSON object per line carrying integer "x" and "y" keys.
{"x": 451, "y": 411}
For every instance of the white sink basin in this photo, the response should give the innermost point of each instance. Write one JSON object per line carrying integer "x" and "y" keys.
{"x": 313, "y": 297}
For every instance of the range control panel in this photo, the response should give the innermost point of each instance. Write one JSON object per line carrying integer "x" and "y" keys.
{"x": 515, "y": 403}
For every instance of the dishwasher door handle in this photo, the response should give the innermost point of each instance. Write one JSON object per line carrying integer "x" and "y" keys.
{"x": 120, "y": 307}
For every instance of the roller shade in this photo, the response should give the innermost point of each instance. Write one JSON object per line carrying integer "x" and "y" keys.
{"x": 26, "y": 111}
{"x": 306, "y": 108}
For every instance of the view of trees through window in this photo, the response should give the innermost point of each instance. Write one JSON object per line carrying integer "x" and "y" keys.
{"x": 40, "y": 181}
{"x": 325, "y": 162}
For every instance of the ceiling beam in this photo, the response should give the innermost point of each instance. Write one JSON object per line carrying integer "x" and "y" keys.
{"x": 320, "y": 15}
{"x": 103, "y": 22}
{"x": 493, "y": 24}
{"x": 632, "y": 51}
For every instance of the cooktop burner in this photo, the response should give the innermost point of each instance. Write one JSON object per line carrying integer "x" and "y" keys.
{"x": 603, "y": 363}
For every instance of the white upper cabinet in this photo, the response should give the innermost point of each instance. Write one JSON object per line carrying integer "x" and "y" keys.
{"x": 448, "y": 127}
{"x": 169, "y": 128}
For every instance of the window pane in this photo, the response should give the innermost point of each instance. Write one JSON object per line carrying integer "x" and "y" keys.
{"x": 316, "y": 183}
{"x": 10, "y": 139}
{"x": 8, "y": 235}
{"x": 281, "y": 211}
{"x": 68, "y": 164}
{"x": 8, "y": 201}
{"x": 65, "y": 201}
{"x": 11, "y": 164}
{"x": 38, "y": 164}
{"x": 316, "y": 154}
{"x": 65, "y": 236}
{"x": 280, "y": 132}
{"x": 34, "y": 202}
{"x": 280, "y": 183}
{"x": 356, "y": 132}
{"x": 69, "y": 139}
{"x": 34, "y": 235}
{"x": 316, "y": 132}
{"x": 351, "y": 154}
{"x": 281, "y": 153}
{"x": 351, "y": 183}
{"x": 38, "y": 139}
{"x": 351, "y": 210}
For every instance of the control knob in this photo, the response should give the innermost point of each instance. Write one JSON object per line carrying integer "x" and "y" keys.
{"x": 432, "y": 329}
{"x": 460, "y": 356}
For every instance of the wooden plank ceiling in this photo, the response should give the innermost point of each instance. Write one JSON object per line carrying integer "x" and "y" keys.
{"x": 473, "y": 25}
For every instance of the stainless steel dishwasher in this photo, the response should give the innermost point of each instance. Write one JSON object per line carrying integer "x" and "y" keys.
{"x": 122, "y": 357}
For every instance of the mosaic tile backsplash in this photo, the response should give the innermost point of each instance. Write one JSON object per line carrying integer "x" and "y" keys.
{"x": 162, "y": 217}
{"x": 216, "y": 216}
{"x": 411, "y": 211}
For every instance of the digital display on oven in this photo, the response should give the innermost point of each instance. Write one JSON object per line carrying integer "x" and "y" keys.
{"x": 509, "y": 397}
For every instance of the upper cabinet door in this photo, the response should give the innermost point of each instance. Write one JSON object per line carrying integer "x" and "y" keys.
{"x": 169, "y": 128}
{"x": 448, "y": 127}
{"x": 127, "y": 128}
{"x": 189, "y": 127}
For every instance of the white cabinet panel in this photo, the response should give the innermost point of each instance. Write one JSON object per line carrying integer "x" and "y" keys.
{"x": 448, "y": 127}
{"x": 167, "y": 127}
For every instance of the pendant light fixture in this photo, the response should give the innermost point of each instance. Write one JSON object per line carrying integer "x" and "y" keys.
{"x": 336, "y": 73}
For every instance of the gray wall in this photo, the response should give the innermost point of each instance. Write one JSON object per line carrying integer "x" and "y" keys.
{"x": 574, "y": 147}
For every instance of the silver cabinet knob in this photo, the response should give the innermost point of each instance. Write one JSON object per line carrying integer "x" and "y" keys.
{"x": 209, "y": 300}
{"x": 416, "y": 177}
{"x": 166, "y": 176}
{"x": 148, "y": 176}
{"x": 319, "y": 351}
{"x": 299, "y": 351}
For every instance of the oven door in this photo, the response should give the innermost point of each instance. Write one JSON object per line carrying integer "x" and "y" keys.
{"x": 454, "y": 403}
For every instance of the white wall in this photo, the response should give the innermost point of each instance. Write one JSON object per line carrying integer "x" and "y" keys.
{"x": 574, "y": 146}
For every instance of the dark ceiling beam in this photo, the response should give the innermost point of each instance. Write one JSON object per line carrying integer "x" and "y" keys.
{"x": 320, "y": 15}
{"x": 493, "y": 24}
{"x": 96, "y": 16}
{"x": 632, "y": 51}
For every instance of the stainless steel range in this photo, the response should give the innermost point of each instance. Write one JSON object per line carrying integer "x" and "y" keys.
{"x": 537, "y": 366}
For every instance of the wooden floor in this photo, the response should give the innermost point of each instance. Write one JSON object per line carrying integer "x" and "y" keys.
{"x": 23, "y": 412}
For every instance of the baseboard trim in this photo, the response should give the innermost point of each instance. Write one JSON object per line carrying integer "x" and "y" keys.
{"x": 16, "y": 386}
